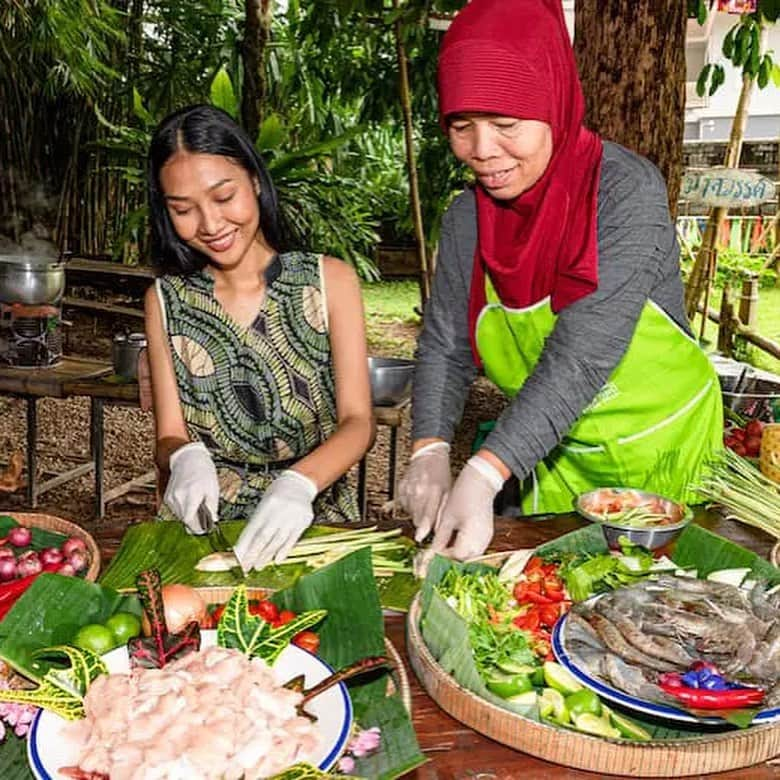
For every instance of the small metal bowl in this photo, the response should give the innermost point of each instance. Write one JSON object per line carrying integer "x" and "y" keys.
{"x": 391, "y": 380}
{"x": 651, "y": 536}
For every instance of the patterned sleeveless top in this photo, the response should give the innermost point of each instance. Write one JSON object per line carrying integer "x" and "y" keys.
{"x": 260, "y": 398}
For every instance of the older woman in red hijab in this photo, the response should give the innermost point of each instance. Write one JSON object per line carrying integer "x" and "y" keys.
{"x": 558, "y": 276}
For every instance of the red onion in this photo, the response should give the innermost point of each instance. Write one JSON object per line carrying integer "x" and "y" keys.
{"x": 66, "y": 570}
{"x": 7, "y": 569}
{"x": 20, "y": 536}
{"x": 78, "y": 559}
{"x": 51, "y": 555}
{"x": 72, "y": 544}
{"x": 28, "y": 563}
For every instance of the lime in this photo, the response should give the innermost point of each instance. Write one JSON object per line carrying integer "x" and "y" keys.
{"x": 509, "y": 686}
{"x": 559, "y": 678}
{"x": 583, "y": 701}
{"x": 124, "y": 626}
{"x": 627, "y": 727}
{"x": 553, "y": 705}
{"x": 592, "y": 724}
{"x": 511, "y": 666}
{"x": 95, "y": 637}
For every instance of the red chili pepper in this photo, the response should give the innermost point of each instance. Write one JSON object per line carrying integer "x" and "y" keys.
{"x": 702, "y": 699}
{"x": 11, "y": 591}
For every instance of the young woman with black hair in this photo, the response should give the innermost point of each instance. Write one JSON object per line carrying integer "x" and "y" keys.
{"x": 258, "y": 357}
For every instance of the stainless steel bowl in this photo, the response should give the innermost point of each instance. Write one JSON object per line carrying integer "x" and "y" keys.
{"x": 31, "y": 279}
{"x": 651, "y": 536}
{"x": 125, "y": 350}
{"x": 391, "y": 380}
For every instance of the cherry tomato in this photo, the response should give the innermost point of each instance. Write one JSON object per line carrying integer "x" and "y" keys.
{"x": 530, "y": 621}
{"x": 534, "y": 562}
{"x": 738, "y": 434}
{"x": 285, "y": 616}
{"x": 307, "y": 640}
{"x": 754, "y": 428}
{"x": 267, "y": 610}
{"x": 551, "y": 582}
{"x": 549, "y": 614}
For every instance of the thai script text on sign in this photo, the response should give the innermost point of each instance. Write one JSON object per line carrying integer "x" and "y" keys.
{"x": 729, "y": 187}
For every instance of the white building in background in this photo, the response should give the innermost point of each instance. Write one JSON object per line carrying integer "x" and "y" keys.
{"x": 709, "y": 118}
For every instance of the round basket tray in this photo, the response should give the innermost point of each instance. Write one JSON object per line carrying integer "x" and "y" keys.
{"x": 65, "y": 527}
{"x": 661, "y": 758}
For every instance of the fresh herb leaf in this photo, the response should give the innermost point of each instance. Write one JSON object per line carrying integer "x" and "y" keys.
{"x": 62, "y": 688}
{"x": 307, "y": 772}
{"x": 162, "y": 646}
{"x": 254, "y": 636}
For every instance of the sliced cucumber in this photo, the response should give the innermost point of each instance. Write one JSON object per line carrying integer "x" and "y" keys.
{"x": 729, "y": 576}
{"x": 514, "y": 667}
{"x": 527, "y": 699}
{"x": 561, "y": 679}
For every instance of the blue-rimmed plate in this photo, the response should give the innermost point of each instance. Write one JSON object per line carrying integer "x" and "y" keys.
{"x": 49, "y": 748}
{"x": 567, "y": 658}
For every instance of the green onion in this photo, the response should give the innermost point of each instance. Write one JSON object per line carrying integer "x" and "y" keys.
{"x": 389, "y": 555}
{"x": 744, "y": 492}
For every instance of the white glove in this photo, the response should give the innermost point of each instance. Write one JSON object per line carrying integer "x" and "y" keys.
{"x": 193, "y": 479}
{"x": 283, "y": 514}
{"x": 468, "y": 510}
{"x": 424, "y": 486}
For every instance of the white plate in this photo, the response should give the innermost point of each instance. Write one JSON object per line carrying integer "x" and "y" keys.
{"x": 568, "y": 658}
{"x": 49, "y": 749}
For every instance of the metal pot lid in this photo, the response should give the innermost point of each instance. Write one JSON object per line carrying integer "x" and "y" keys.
{"x": 32, "y": 262}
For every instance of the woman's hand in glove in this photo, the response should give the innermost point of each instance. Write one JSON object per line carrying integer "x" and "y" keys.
{"x": 424, "y": 486}
{"x": 468, "y": 511}
{"x": 193, "y": 480}
{"x": 283, "y": 514}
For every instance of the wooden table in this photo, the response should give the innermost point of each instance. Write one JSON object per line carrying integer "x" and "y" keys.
{"x": 456, "y": 752}
{"x": 34, "y": 383}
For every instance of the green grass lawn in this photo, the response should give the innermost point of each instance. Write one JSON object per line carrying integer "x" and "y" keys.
{"x": 391, "y": 321}
{"x": 768, "y": 325}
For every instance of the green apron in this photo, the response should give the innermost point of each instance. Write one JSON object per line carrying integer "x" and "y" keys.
{"x": 652, "y": 426}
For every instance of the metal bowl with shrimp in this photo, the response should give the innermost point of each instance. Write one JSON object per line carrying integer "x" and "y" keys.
{"x": 645, "y": 518}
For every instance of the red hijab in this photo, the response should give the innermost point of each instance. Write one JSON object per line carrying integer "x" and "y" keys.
{"x": 514, "y": 58}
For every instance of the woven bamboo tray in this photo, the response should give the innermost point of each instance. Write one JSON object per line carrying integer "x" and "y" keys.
{"x": 662, "y": 758}
{"x": 66, "y": 528}
{"x": 399, "y": 679}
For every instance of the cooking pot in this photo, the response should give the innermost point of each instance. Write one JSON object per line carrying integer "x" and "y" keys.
{"x": 125, "y": 350}
{"x": 31, "y": 279}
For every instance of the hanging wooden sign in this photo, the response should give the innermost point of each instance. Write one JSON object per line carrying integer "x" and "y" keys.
{"x": 729, "y": 187}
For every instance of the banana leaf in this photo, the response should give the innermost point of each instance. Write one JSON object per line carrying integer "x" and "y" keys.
{"x": 13, "y": 758}
{"x": 49, "y": 613}
{"x": 167, "y": 547}
{"x": 354, "y": 629}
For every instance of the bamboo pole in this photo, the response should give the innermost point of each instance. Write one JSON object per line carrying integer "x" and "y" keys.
{"x": 701, "y": 274}
{"x": 411, "y": 165}
{"x": 763, "y": 343}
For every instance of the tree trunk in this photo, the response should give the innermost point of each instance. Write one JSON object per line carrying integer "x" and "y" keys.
{"x": 257, "y": 29}
{"x": 411, "y": 165}
{"x": 703, "y": 270}
{"x": 631, "y": 58}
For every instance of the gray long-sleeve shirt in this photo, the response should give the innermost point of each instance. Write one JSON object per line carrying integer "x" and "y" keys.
{"x": 638, "y": 259}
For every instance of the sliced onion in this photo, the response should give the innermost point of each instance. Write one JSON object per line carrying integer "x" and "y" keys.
{"x": 20, "y": 536}
{"x": 182, "y": 605}
{"x": 7, "y": 552}
{"x": 7, "y": 569}
{"x": 72, "y": 544}
{"x": 66, "y": 570}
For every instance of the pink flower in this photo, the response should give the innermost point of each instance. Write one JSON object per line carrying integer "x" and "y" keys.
{"x": 346, "y": 764}
{"x": 365, "y": 742}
